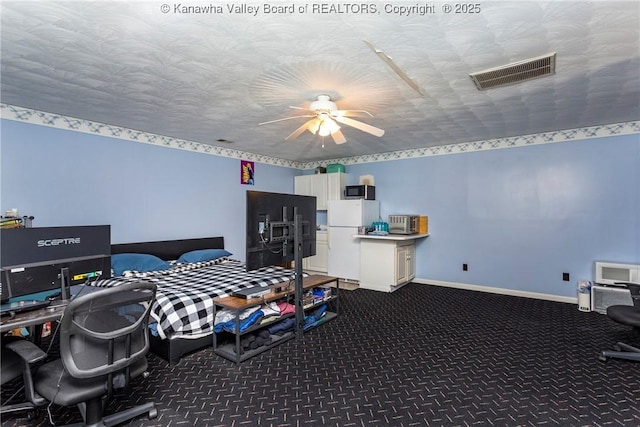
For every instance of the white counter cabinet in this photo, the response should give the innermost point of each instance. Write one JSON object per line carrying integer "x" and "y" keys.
{"x": 387, "y": 262}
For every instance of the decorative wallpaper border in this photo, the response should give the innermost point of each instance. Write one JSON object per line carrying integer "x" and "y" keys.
{"x": 599, "y": 131}
{"x": 11, "y": 112}
{"x": 21, "y": 114}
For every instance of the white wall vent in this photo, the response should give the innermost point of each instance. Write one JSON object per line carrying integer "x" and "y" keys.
{"x": 516, "y": 72}
{"x": 609, "y": 273}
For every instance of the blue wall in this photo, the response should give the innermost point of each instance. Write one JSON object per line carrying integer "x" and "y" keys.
{"x": 145, "y": 192}
{"x": 518, "y": 217}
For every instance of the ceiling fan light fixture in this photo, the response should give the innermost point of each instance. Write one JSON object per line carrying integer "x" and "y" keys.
{"x": 328, "y": 127}
{"x": 314, "y": 126}
{"x": 324, "y": 131}
{"x": 324, "y": 118}
{"x": 323, "y": 103}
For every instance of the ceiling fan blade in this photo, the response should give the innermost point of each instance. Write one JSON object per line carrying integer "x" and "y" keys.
{"x": 296, "y": 133}
{"x": 314, "y": 125}
{"x": 338, "y": 137}
{"x": 360, "y": 125}
{"x": 286, "y": 118}
{"x": 387, "y": 60}
{"x": 351, "y": 113}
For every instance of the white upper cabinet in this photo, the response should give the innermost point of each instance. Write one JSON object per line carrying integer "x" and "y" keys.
{"x": 335, "y": 186}
{"x": 324, "y": 186}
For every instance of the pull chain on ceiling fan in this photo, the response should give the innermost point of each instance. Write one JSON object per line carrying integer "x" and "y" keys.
{"x": 325, "y": 117}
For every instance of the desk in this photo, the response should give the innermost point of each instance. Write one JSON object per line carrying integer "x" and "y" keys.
{"x": 43, "y": 315}
{"x": 32, "y": 317}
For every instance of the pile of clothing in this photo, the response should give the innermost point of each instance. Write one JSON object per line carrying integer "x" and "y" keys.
{"x": 226, "y": 319}
{"x": 254, "y": 340}
{"x": 265, "y": 315}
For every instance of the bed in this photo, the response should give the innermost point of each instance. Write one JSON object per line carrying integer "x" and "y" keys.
{"x": 183, "y": 310}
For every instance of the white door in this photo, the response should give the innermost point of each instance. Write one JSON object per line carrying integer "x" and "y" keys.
{"x": 302, "y": 185}
{"x": 411, "y": 261}
{"x": 318, "y": 262}
{"x": 352, "y": 213}
{"x": 319, "y": 189}
{"x": 345, "y": 213}
{"x": 344, "y": 253}
{"x": 335, "y": 186}
{"x": 401, "y": 265}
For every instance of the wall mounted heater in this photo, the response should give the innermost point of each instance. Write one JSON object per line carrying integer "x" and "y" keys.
{"x": 608, "y": 288}
{"x": 605, "y": 296}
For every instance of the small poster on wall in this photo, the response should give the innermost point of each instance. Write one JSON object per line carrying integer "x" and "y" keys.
{"x": 246, "y": 172}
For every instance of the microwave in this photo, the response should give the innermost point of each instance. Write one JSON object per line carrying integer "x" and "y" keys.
{"x": 366, "y": 192}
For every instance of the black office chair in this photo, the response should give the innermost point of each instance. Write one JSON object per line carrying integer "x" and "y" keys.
{"x": 16, "y": 357}
{"x": 103, "y": 343}
{"x": 627, "y": 315}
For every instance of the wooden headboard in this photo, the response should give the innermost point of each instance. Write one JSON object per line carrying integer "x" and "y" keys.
{"x": 169, "y": 249}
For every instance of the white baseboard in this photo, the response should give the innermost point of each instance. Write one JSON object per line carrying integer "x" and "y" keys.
{"x": 502, "y": 291}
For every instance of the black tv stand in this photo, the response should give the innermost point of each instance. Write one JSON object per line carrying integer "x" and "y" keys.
{"x": 228, "y": 343}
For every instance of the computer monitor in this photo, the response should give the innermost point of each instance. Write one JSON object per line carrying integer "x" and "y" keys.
{"x": 58, "y": 275}
{"x": 271, "y": 227}
{"x": 29, "y": 279}
{"x": 21, "y": 246}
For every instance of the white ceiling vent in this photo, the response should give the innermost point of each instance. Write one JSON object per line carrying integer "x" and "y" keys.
{"x": 516, "y": 72}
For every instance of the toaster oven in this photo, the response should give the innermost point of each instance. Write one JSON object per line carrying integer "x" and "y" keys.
{"x": 403, "y": 224}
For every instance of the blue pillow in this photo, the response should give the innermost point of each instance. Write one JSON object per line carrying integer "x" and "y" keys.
{"x": 203, "y": 255}
{"x": 137, "y": 262}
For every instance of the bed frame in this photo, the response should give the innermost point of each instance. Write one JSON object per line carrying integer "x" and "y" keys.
{"x": 172, "y": 349}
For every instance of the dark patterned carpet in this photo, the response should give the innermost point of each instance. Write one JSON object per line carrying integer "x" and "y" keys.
{"x": 422, "y": 356}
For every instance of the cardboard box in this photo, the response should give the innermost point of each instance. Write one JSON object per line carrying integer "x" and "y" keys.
{"x": 423, "y": 225}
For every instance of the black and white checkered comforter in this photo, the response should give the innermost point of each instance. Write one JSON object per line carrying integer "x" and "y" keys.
{"x": 184, "y": 297}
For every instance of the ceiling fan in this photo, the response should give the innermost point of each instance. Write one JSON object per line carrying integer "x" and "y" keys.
{"x": 325, "y": 117}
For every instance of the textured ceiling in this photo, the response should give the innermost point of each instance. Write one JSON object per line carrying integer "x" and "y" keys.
{"x": 209, "y": 76}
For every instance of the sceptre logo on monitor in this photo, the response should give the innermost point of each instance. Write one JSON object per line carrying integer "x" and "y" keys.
{"x": 58, "y": 242}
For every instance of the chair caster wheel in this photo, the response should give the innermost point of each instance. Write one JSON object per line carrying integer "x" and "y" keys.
{"x": 153, "y": 413}
{"x": 617, "y": 347}
{"x": 603, "y": 359}
{"x": 32, "y": 415}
